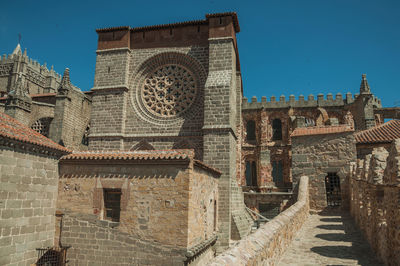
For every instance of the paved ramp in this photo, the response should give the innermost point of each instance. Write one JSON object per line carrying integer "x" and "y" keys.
{"x": 329, "y": 239}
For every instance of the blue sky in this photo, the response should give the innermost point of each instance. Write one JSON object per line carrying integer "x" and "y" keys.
{"x": 285, "y": 46}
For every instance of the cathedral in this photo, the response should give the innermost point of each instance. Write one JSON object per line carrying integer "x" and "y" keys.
{"x": 163, "y": 161}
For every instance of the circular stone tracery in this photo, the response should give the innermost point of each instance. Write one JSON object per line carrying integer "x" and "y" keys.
{"x": 169, "y": 90}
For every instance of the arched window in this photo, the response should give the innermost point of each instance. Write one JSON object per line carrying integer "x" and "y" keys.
{"x": 251, "y": 130}
{"x": 276, "y": 129}
{"x": 42, "y": 126}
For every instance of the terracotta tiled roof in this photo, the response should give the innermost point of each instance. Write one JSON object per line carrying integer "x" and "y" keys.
{"x": 132, "y": 155}
{"x": 320, "y": 130}
{"x": 380, "y": 134}
{"x": 12, "y": 129}
{"x": 178, "y": 24}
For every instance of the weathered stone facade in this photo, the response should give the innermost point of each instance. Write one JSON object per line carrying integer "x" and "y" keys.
{"x": 166, "y": 198}
{"x": 318, "y": 154}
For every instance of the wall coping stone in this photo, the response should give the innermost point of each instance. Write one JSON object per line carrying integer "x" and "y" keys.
{"x": 253, "y": 249}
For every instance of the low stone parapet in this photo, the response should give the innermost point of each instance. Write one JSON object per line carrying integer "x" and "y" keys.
{"x": 374, "y": 188}
{"x": 267, "y": 244}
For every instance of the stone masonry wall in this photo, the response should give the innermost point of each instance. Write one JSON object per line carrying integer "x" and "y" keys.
{"x": 220, "y": 126}
{"x": 374, "y": 201}
{"x": 71, "y": 117}
{"x": 99, "y": 242}
{"x": 28, "y": 193}
{"x": 154, "y": 199}
{"x": 203, "y": 200}
{"x": 318, "y": 155}
{"x": 268, "y": 243}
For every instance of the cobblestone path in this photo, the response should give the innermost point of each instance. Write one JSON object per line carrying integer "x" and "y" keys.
{"x": 329, "y": 239}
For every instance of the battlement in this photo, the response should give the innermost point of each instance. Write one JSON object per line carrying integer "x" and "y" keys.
{"x": 301, "y": 102}
{"x": 188, "y": 33}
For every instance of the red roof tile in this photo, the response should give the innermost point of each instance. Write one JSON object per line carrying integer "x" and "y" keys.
{"x": 132, "y": 155}
{"x": 380, "y": 134}
{"x": 12, "y": 129}
{"x": 320, "y": 130}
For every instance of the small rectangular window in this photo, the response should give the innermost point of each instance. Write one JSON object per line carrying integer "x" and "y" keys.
{"x": 112, "y": 204}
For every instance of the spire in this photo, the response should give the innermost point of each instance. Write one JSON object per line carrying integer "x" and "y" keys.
{"x": 17, "y": 50}
{"x": 65, "y": 84}
{"x": 364, "y": 87}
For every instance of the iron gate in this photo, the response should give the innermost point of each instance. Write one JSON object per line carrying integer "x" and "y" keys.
{"x": 332, "y": 185}
{"x": 55, "y": 256}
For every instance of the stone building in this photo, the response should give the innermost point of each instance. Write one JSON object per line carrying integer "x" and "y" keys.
{"x": 28, "y": 191}
{"x": 44, "y": 100}
{"x": 163, "y": 146}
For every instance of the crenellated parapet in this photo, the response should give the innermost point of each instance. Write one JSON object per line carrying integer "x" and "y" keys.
{"x": 300, "y": 102}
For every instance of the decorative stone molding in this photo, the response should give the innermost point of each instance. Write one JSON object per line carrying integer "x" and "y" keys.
{"x": 167, "y": 88}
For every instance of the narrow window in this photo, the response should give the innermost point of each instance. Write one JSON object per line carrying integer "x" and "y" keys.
{"x": 251, "y": 174}
{"x": 277, "y": 173}
{"x": 276, "y": 129}
{"x": 112, "y": 204}
{"x": 251, "y": 130}
{"x": 215, "y": 215}
{"x": 85, "y": 137}
{"x": 254, "y": 174}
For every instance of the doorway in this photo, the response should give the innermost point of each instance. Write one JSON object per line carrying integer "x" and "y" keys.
{"x": 333, "y": 194}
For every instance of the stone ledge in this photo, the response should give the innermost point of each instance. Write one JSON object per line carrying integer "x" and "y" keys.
{"x": 267, "y": 244}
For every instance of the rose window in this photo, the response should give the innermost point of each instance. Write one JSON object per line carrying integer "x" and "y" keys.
{"x": 169, "y": 90}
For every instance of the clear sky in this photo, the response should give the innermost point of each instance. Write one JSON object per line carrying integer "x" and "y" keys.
{"x": 285, "y": 46}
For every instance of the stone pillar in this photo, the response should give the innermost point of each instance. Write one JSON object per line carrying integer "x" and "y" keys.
{"x": 109, "y": 100}
{"x": 220, "y": 127}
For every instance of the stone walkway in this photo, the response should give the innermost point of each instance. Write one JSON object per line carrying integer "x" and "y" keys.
{"x": 329, "y": 239}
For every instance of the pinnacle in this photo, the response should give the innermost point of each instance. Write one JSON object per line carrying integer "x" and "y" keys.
{"x": 65, "y": 79}
{"x": 17, "y": 49}
{"x": 65, "y": 84}
{"x": 364, "y": 87}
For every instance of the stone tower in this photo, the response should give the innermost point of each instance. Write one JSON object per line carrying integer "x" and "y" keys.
{"x": 174, "y": 86}
{"x": 364, "y": 105}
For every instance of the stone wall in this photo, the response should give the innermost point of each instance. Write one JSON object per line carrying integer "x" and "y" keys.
{"x": 318, "y": 155}
{"x": 268, "y": 243}
{"x": 374, "y": 200}
{"x": 93, "y": 242}
{"x": 165, "y": 203}
{"x": 28, "y": 194}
